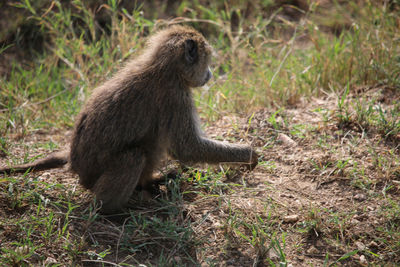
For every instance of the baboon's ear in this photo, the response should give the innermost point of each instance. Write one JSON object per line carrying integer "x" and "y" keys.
{"x": 191, "y": 53}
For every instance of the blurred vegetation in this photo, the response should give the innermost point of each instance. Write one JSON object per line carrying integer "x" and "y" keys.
{"x": 268, "y": 53}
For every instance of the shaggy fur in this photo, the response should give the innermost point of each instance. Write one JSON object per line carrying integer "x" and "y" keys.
{"x": 144, "y": 111}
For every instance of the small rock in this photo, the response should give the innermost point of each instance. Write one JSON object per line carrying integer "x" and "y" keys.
{"x": 363, "y": 260}
{"x": 291, "y": 218}
{"x": 50, "y": 261}
{"x": 354, "y": 221}
{"x": 370, "y": 208}
{"x": 45, "y": 175}
{"x": 312, "y": 250}
{"x": 218, "y": 224}
{"x": 300, "y": 257}
{"x": 373, "y": 244}
{"x": 286, "y": 140}
{"x": 360, "y": 197}
{"x": 360, "y": 245}
{"x": 22, "y": 250}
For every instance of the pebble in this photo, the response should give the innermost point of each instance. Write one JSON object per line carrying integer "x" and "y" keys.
{"x": 372, "y": 244}
{"x": 22, "y": 250}
{"x": 44, "y": 176}
{"x": 218, "y": 225}
{"x": 360, "y": 197}
{"x": 291, "y": 218}
{"x": 300, "y": 257}
{"x": 360, "y": 245}
{"x": 363, "y": 260}
{"x": 312, "y": 250}
{"x": 286, "y": 140}
{"x": 50, "y": 261}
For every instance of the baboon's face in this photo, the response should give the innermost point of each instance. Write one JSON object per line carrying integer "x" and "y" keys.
{"x": 197, "y": 57}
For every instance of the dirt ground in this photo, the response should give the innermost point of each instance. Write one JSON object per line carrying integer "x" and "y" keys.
{"x": 321, "y": 191}
{"x": 304, "y": 180}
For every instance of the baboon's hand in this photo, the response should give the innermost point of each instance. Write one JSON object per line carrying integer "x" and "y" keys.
{"x": 253, "y": 161}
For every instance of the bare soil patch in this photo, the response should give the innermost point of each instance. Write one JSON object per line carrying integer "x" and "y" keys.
{"x": 321, "y": 193}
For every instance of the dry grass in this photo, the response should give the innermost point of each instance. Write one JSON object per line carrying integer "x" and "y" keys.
{"x": 320, "y": 192}
{"x": 316, "y": 93}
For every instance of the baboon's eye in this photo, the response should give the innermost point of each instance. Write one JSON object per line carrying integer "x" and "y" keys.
{"x": 191, "y": 54}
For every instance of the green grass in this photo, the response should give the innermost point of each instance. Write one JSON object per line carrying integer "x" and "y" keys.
{"x": 255, "y": 66}
{"x": 346, "y": 54}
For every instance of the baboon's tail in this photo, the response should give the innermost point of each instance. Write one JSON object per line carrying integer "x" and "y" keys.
{"x": 53, "y": 160}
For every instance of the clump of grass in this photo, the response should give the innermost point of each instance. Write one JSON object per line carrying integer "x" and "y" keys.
{"x": 368, "y": 116}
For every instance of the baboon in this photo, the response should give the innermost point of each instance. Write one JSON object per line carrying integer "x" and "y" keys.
{"x": 143, "y": 112}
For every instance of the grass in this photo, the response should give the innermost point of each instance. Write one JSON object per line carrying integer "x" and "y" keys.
{"x": 328, "y": 83}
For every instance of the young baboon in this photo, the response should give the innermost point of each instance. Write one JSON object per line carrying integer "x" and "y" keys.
{"x": 144, "y": 111}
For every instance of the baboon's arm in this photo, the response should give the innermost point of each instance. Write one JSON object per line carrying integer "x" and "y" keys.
{"x": 53, "y": 160}
{"x": 190, "y": 146}
{"x": 211, "y": 151}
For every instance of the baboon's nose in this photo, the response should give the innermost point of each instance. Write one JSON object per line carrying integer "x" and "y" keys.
{"x": 209, "y": 74}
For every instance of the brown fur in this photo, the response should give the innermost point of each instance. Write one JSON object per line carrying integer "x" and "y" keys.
{"x": 144, "y": 111}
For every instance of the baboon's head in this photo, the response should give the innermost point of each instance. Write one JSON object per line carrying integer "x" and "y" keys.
{"x": 186, "y": 53}
{"x": 196, "y": 61}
